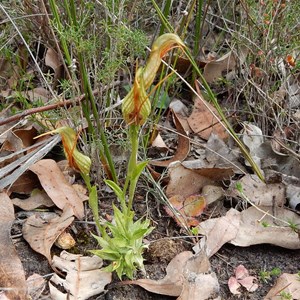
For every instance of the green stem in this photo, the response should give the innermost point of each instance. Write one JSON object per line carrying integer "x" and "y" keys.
{"x": 134, "y": 139}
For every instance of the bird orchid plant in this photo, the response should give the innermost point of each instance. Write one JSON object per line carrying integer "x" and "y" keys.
{"x": 121, "y": 241}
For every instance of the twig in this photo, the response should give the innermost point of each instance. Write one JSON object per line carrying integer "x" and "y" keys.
{"x": 35, "y": 110}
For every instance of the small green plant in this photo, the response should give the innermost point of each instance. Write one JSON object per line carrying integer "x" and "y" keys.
{"x": 267, "y": 275}
{"x": 285, "y": 295}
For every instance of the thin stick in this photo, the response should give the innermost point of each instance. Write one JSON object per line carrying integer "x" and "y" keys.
{"x": 35, "y": 110}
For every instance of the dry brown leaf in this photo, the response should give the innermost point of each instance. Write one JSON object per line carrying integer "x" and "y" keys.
{"x": 186, "y": 209}
{"x": 199, "y": 282}
{"x": 203, "y": 121}
{"x": 288, "y": 283}
{"x": 37, "y": 199}
{"x": 37, "y": 94}
{"x": 185, "y": 182}
{"x": 41, "y": 233}
{"x": 56, "y": 186}
{"x": 244, "y": 229}
{"x": 219, "y": 231}
{"x": 19, "y": 139}
{"x": 220, "y": 155}
{"x": 212, "y": 193}
{"x": 158, "y": 142}
{"x": 251, "y": 232}
{"x": 25, "y": 183}
{"x": 12, "y": 276}
{"x": 201, "y": 287}
{"x": 178, "y": 107}
{"x": 84, "y": 277}
{"x": 35, "y": 286}
{"x": 213, "y": 70}
{"x": 183, "y": 148}
{"x": 260, "y": 193}
{"x": 172, "y": 283}
{"x": 53, "y": 61}
{"x": 215, "y": 173}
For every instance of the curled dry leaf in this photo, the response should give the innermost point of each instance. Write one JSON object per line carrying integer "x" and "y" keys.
{"x": 52, "y": 60}
{"x": 19, "y": 139}
{"x": 203, "y": 119}
{"x": 183, "y": 148}
{"x": 293, "y": 194}
{"x": 12, "y": 276}
{"x": 56, "y": 186}
{"x": 84, "y": 277}
{"x": 41, "y": 233}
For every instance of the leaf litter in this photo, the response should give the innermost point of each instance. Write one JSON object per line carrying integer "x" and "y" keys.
{"x": 191, "y": 181}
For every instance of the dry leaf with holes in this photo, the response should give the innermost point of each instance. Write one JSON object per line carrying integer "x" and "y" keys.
{"x": 84, "y": 277}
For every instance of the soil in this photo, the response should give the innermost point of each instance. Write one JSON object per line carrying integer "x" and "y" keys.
{"x": 162, "y": 249}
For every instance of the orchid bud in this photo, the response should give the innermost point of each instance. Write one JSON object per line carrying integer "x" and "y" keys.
{"x": 136, "y": 106}
{"x": 76, "y": 159}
